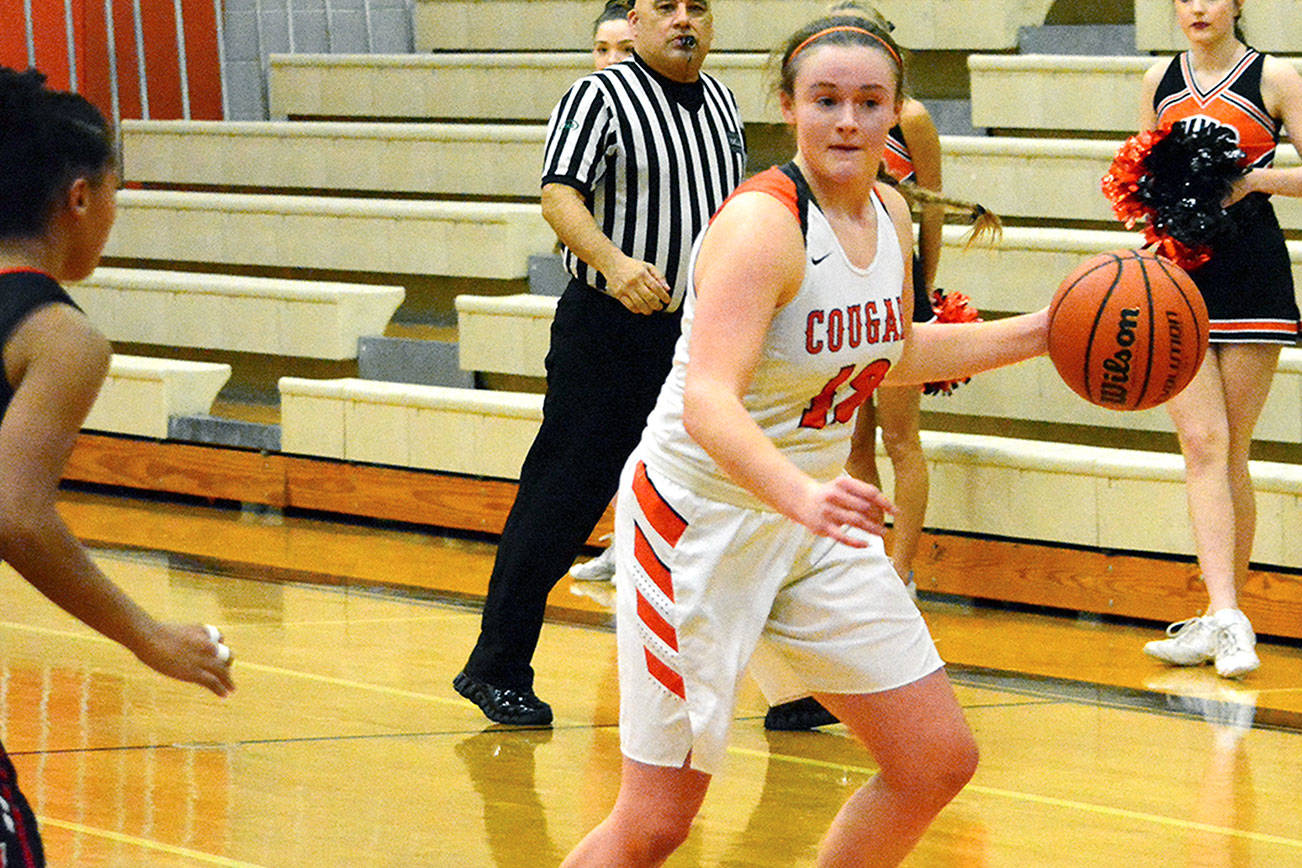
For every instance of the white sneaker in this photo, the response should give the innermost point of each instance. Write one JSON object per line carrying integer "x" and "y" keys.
{"x": 599, "y": 569}
{"x": 1235, "y": 644}
{"x": 1191, "y": 643}
{"x": 911, "y": 587}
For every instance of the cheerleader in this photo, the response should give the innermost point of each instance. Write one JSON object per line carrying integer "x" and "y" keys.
{"x": 1248, "y": 286}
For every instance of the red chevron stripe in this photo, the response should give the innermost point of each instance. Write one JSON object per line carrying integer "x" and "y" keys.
{"x": 654, "y": 567}
{"x": 655, "y": 622}
{"x": 664, "y": 520}
{"x": 661, "y": 672}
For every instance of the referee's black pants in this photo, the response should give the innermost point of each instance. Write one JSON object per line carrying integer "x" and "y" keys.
{"x": 605, "y": 367}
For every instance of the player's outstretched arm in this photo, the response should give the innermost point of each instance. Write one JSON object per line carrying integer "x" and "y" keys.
{"x": 59, "y": 362}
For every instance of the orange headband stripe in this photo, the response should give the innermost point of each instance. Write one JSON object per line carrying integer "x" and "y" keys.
{"x": 852, "y": 29}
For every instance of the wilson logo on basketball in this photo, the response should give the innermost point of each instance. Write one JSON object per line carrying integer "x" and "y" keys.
{"x": 1113, "y": 387}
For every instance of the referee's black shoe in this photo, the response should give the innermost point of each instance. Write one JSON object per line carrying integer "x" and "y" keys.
{"x": 504, "y": 704}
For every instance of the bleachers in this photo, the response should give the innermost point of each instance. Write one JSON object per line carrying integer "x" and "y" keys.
{"x": 362, "y": 180}
{"x": 470, "y": 431}
{"x": 314, "y": 319}
{"x": 387, "y": 236}
{"x": 1052, "y": 179}
{"x": 470, "y": 86}
{"x": 430, "y": 159}
{"x": 740, "y": 25}
{"x": 141, "y": 394}
{"x": 1062, "y": 93}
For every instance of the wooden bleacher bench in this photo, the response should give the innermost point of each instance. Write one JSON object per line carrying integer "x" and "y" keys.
{"x": 1058, "y": 92}
{"x": 468, "y": 431}
{"x": 140, "y": 394}
{"x": 314, "y": 319}
{"x": 491, "y": 160}
{"x": 463, "y": 239}
{"x": 468, "y": 86}
{"x": 740, "y": 25}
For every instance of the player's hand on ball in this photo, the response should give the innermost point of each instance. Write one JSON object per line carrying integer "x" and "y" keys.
{"x": 190, "y": 652}
{"x": 833, "y": 508}
{"x": 639, "y": 286}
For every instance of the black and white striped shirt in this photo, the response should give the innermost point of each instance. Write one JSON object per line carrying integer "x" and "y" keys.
{"x": 654, "y": 158}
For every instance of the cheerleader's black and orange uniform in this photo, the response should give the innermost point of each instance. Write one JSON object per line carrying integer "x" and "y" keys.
{"x": 898, "y": 163}
{"x": 1248, "y": 282}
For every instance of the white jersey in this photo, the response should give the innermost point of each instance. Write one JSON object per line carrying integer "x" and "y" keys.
{"x": 825, "y": 352}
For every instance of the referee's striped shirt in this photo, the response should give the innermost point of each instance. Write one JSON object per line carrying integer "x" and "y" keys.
{"x": 654, "y": 158}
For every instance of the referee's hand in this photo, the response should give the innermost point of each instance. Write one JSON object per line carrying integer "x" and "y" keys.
{"x": 639, "y": 286}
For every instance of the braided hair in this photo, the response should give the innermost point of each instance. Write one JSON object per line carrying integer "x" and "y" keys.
{"x": 48, "y": 139}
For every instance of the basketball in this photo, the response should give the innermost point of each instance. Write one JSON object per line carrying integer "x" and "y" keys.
{"x": 1127, "y": 330}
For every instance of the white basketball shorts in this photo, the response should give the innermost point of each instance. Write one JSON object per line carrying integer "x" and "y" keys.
{"x": 703, "y": 585}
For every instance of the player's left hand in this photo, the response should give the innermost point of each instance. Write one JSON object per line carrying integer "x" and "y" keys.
{"x": 833, "y": 508}
{"x": 190, "y": 652}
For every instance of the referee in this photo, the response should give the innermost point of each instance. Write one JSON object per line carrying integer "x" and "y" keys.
{"x": 638, "y": 157}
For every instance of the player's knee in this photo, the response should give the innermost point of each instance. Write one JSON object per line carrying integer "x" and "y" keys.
{"x": 1204, "y": 445}
{"x": 660, "y": 836}
{"x": 951, "y": 765}
{"x": 902, "y": 445}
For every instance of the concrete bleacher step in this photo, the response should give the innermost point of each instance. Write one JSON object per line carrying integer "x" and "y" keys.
{"x": 141, "y": 394}
{"x": 467, "y": 86}
{"x": 220, "y": 431}
{"x": 412, "y": 360}
{"x": 1033, "y": 391}
{"x": 463, "y": 160}
{"x": 1058, "y": 92}
{"x": 547, "y": 274}
{"x": 462, "y": 239}
{"x": 315, "y": 319}
{"x": 1088, "y": 39}
{"x": 740, "y": 25}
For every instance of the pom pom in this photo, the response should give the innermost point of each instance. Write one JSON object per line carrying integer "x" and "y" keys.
{"x": 1174, "y": 181}
{"x": 952, "y": 307}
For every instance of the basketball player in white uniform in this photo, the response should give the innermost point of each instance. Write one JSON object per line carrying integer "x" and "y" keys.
{"x": 736, "y": 527}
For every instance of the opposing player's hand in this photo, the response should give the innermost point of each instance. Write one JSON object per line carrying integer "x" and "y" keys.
{"x": 832, "y": 508}
{"x": 639, "y": 286}
{"x": 189, "y": 652}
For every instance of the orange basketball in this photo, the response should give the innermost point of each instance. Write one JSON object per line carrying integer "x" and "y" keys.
{"x": 1127, "y": 330}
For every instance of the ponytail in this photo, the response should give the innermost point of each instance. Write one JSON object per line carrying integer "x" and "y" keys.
{"x": 987, "y": 228}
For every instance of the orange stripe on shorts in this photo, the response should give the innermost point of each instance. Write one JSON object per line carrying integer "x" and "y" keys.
{"x": 656, "y": 623}
{"x": 666, "y": 522}
{"x": 661, "y": 672}
{"x": 654, "y": 567}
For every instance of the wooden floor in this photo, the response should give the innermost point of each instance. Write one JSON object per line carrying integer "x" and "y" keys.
{"x": 345, "y": 744}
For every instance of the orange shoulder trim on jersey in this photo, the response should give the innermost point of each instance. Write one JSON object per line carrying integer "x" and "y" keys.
{"x": 774, "y": 182}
